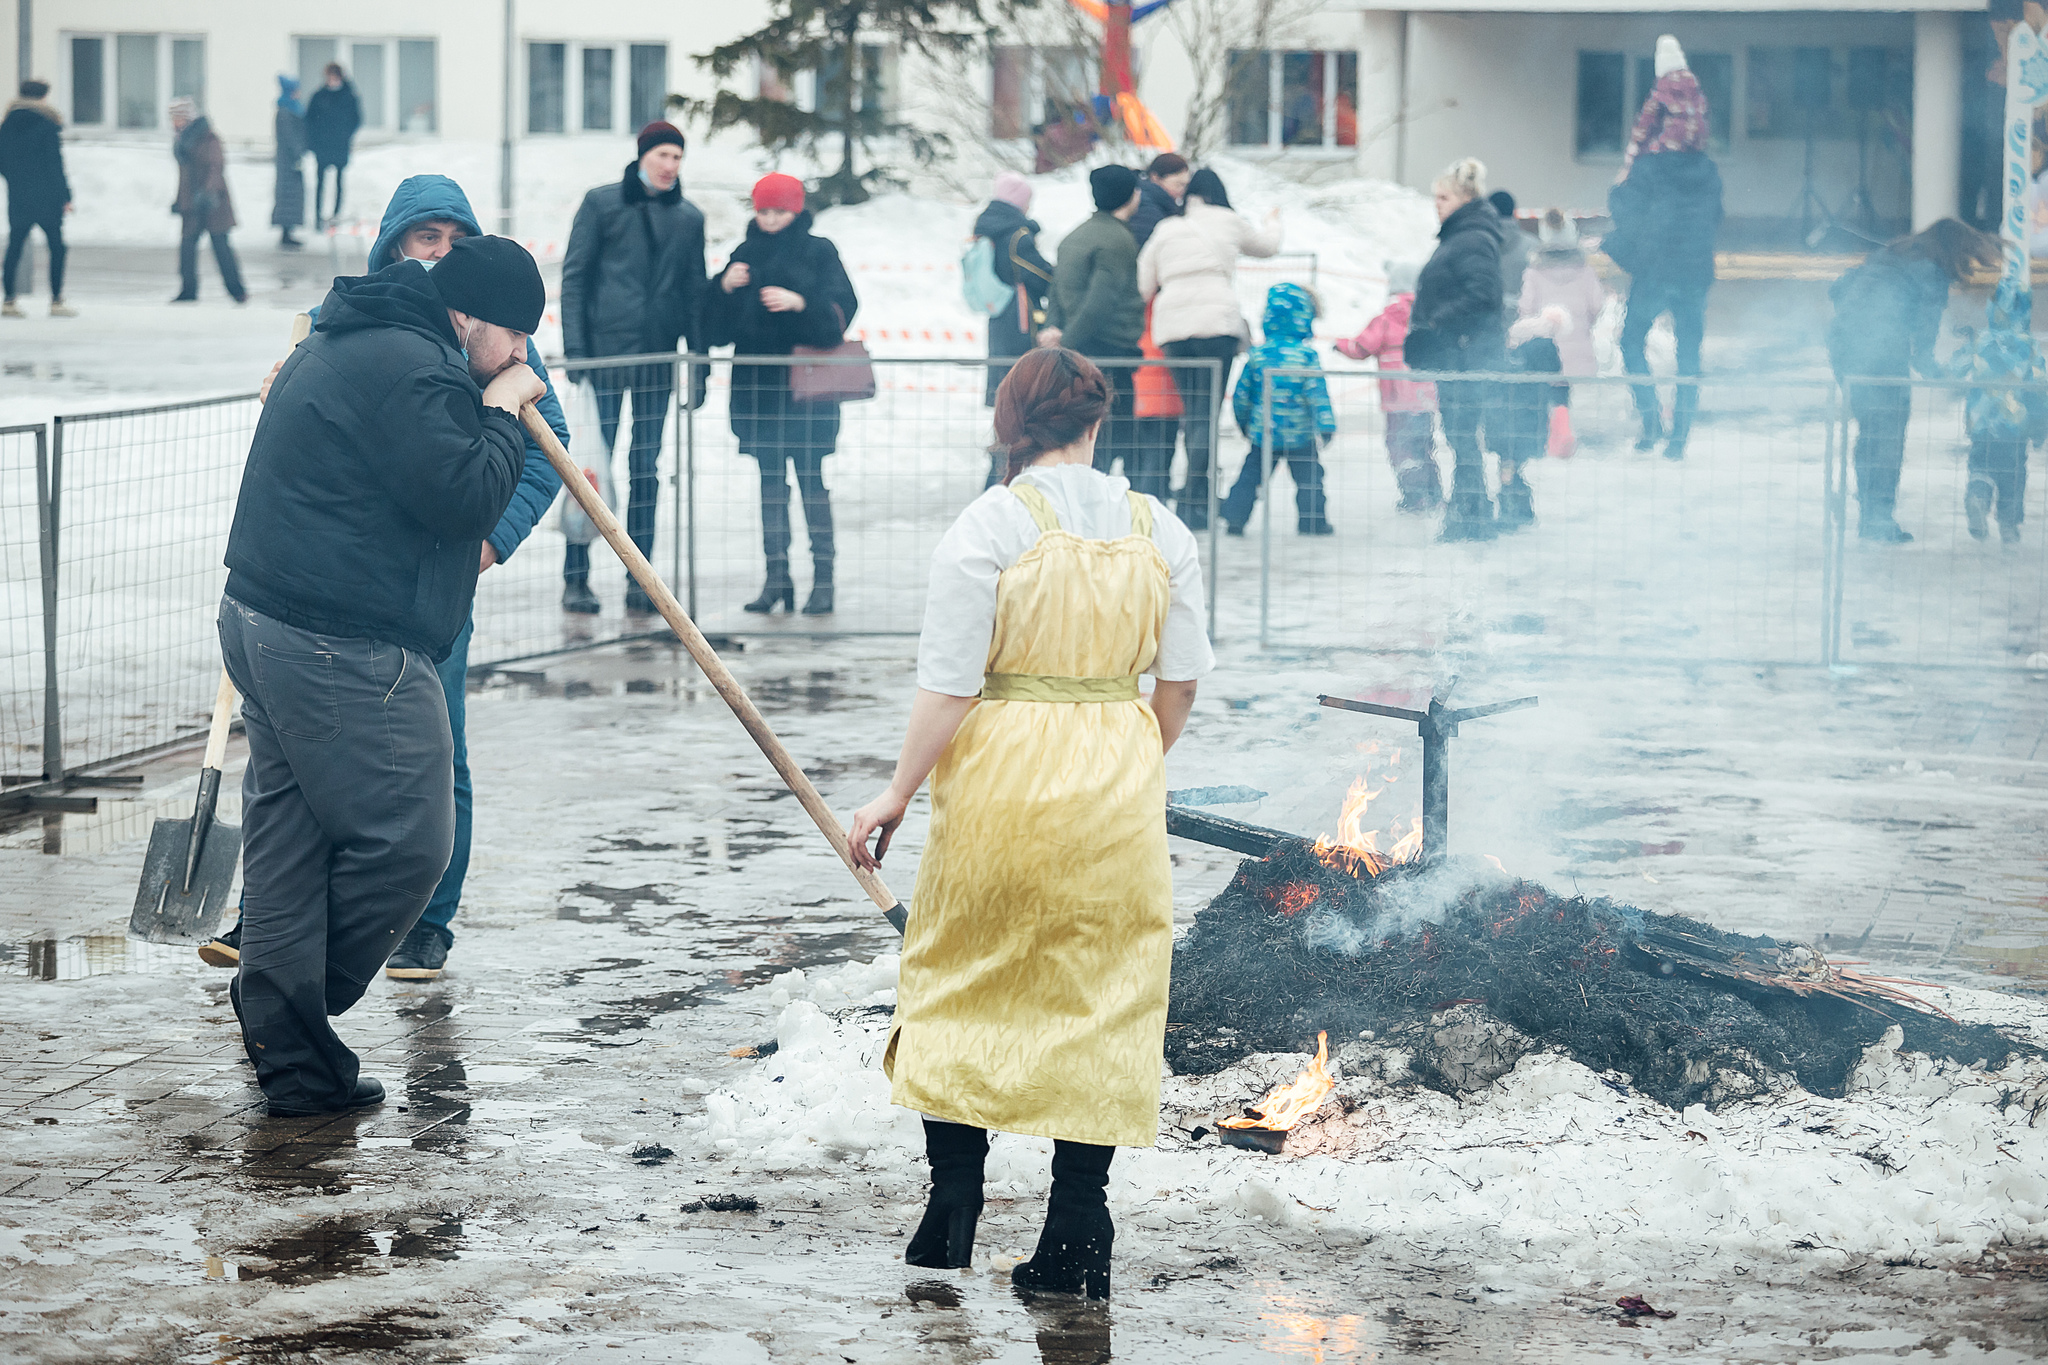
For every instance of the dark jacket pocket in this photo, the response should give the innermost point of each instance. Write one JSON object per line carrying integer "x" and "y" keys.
{"x": 301, "y": 693}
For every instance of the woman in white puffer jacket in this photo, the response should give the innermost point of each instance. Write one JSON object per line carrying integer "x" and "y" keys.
{"x": 1188, "y": 273}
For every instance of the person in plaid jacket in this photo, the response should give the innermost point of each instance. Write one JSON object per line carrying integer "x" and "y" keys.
{"x": 1674, "y": 115}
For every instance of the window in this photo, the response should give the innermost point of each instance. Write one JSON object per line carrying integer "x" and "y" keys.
{"x": 148, "y": 70}
{"x": 1030, "y": 87}
{"x": 577, "y": 87}
{"x": 394, "y": 78}
{"x": 1292, "y": 99}
{"x": 1611, "y": 92}
{"x": 873, "y": 84}
{"x": 1796, "y": 89}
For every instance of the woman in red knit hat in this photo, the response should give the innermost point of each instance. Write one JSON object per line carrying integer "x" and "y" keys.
{"x": 784, "y": 288}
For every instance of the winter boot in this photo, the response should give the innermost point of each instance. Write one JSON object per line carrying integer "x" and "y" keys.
{"x": 1073, "y": 1250}
{"x": 819, "y": 603}
{"x": 11, "y": 309}
{"x": 1193, "y": 509}
{"x": 1653, "y": 428}
{"x": 1977, "y": 499}
{"x": 1517, "y": 506}
{"x": 61, "y": 309}
{"x": 1875, "y": 523}
{"x": 944, "y": 1240}
{"x": 1469, "y": 514}
{"x": 2009, "y": 534}
{"x": 780, "y": 587}
{"x": 287, "y": 242}
{"x": 1681, "y": 430}
{"x": 577, "y": 596}
{"x": 1422, "y": 488}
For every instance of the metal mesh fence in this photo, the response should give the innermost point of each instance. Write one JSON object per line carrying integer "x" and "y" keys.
{"x": 24, "y": 475}
{"x": 143, "y": 500}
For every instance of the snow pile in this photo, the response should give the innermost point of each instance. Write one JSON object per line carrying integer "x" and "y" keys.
{"x": 1920, "y": 1161}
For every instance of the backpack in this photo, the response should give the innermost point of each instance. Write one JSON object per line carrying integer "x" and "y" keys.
{"x": 979, "y": 284}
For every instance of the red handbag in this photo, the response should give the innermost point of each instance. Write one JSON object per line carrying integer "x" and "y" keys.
{"x": 844, "y": 381}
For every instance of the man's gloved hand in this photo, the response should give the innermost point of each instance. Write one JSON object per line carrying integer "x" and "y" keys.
{"x": 513, "y": 387}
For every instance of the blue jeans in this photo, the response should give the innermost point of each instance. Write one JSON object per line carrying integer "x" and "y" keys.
{"x": 454, "y": 671}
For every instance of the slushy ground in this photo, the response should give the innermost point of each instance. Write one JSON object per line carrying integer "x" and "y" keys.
{"x": 640, "y": 877}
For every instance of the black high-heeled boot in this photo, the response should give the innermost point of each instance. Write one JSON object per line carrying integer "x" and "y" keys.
{"x": 944, "y": 1240}
{"x": 1073, "y": 1250}
{"x": 780, "y": 587}
{"x": 819, "y": 603}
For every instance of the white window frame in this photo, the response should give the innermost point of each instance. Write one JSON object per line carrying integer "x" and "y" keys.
{"x": 110, "y": 89}
{"x": 1275, "y": 115}
{"x": 393, "y": 127}
{"x": 1037, "y": 85}
{"x": 572, "y": 83}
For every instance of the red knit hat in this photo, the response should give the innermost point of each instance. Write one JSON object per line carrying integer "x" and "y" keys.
{"x": 779, "y": 191}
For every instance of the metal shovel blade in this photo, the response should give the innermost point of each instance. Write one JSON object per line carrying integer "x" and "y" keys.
{"x": 164, "y": 911}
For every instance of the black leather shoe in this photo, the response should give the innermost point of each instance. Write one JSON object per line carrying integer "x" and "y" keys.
{"x": 577, "y": 597}
{"x": 368, "y": 1093}
{"x": 421, "y": 956}
{"x": 223, "y": 950}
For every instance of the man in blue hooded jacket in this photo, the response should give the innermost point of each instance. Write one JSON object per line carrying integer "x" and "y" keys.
{"x": 427, "y": 215}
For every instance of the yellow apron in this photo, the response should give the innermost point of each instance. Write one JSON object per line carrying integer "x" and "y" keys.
{"x": 1033, "y": 992}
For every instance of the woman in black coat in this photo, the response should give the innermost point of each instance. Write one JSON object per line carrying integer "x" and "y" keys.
{"x": 1456, "y": 327}
{"x": 783, "y": 288}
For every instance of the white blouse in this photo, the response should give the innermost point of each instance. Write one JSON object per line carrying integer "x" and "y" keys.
{"x": 994, "y": 532}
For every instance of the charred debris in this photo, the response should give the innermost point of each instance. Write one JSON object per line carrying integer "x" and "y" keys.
{"x": 1687, "y": 1013}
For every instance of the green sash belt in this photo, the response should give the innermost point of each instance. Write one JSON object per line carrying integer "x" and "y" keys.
{"x": 1045, "y": 687}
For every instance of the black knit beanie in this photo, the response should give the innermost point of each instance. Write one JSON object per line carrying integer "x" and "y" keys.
{"x": 1112, "y": 186}
{"x": 494, "y": 279}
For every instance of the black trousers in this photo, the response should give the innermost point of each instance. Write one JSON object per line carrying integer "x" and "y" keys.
{"x": 652, "y": 387}
{"x": 1466, "y": 405}
{"x": 320, "y": 191}
{"x": 1881, "y": 412}
{"x": 2003, "y": 465}
{"x": 18, "y": 227}
{"x": 348, "y": 821}
{"x": 1195, "y": 399}
{"x": 223, "y": 256}
{"x": 1648, "y": 299}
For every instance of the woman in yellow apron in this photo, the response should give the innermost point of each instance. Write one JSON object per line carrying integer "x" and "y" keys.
{"x": 1033, "y": 992}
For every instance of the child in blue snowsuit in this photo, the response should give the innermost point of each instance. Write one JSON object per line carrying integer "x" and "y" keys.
{"x": 1303, "y": 422}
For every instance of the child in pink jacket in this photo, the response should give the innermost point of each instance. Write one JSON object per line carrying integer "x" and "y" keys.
{"x": 1409, "y": 405}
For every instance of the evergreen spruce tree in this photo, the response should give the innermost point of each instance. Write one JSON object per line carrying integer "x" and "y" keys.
{"x": 824, "y": 38}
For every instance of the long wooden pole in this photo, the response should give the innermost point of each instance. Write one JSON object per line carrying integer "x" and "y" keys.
{"x": 707, "y": 659}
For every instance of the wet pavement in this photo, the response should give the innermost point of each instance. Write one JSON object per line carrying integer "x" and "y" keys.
{"x": 530, "y": 1191}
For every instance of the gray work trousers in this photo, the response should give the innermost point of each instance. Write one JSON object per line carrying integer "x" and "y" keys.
{"x": 348, "y": 820}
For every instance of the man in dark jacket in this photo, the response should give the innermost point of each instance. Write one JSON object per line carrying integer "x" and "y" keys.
{"x": 1163, "y": 192}
{"x": 1666, "y": 215}
{"x": 1018, "y": 262}
{"x": 38, "y": 195}
{"x": 632, "y": 284}
{"x": 374, "y": 474}
{"x": 427, "y": 215}
{"x": 202, "y": 203}
{"x": 332, "y": 117}
{"x": 1096, "y": 308}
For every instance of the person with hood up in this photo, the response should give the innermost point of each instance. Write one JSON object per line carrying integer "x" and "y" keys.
{"x": 1887, "y": 316}
{"x": 1562, "y": 285}
{"x": 1456, "y": 326}
{"x": 376, "y": 471}
{"x": 2003, "y": 422}
{"x": 1095, "y": 308}
{"x": 1161, "y": 191}
{"x": 1515, "y": 253}
{"x": 1020, "y": 265}
{"x": 332, "y": 117}
{"x": 784, "y": 287}
{"x": 288, "y": 203}
{"x": 1667, "y": 211}
{"x": 1408, "y": 405}
{"x": 1303, "y": 421}
{"x": 202, "y": 203}
{"x": 427, "y": 216}
{"x": 38, "y": 195}
{"x": 632, "y": 284}
{"x": 1188, "y": 272}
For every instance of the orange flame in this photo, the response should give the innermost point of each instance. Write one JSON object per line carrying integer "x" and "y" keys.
{"x": 1293, "y": 898}
{"x": 1286, "y": 1105}
{"x": 1356, "y": 849}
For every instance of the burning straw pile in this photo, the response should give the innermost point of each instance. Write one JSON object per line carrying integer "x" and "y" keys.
{"x": 1294, "y": 946}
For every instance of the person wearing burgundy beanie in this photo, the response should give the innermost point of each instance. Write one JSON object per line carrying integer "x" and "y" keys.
{"x": 633, "y": 284}
{"x": 784, "y": 288}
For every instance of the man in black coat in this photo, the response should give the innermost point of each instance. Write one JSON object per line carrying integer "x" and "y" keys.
{"x": 1666, "y": 216}
{"x": 332, "y": 117}
{"x": 38, "y": 195}
{"x": 633, "y": 284}
{"x": 376, "y": 471}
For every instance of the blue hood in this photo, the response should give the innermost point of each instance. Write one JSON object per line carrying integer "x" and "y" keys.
{"x": 1290, "y": 314}
{"x": 420, "y": 199}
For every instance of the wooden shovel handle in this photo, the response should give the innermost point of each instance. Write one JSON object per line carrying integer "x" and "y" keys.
{"x": 217, "y": 734}
{"x": 707, "y": 659}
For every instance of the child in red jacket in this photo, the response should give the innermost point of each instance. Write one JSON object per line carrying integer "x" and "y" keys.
{"x": 1409, "y": 405}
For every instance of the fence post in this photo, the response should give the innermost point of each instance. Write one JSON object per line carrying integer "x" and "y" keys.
{"x": 1835, "y": 526}
{"x": 690, "y": 489}
{"x": 678, "y": 375}
{"x": 1265, "y": 505}
{"x": 1219, "y": 373}
{"x": 49, "y": 483}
